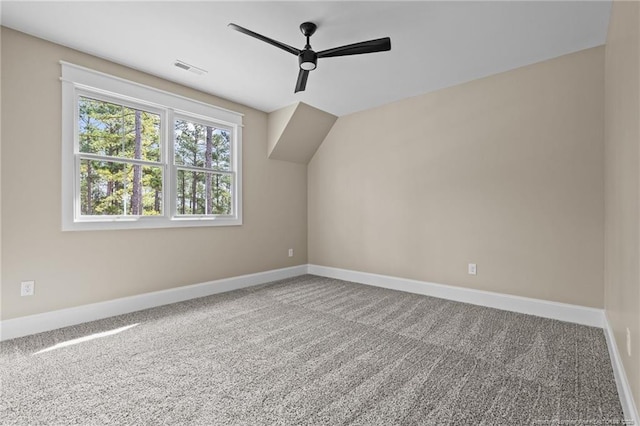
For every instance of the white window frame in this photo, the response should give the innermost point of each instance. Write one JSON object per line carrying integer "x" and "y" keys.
{"x": 174, "y": 169}
{"x": 79, "y": 81}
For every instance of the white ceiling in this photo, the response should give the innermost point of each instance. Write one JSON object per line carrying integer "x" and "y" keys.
{"x": 434, "y": 44}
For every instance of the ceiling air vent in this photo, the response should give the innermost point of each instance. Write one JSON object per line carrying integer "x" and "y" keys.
{"x": 185, "y": 66}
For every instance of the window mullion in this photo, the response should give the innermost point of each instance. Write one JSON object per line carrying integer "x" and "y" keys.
{"x": 170, "y": 183}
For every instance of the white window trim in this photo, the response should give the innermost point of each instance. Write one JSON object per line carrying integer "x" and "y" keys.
{"x": 76, "y": 81}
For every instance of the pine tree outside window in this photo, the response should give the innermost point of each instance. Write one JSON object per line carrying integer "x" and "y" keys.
{"x": 121, "y": 173}
{"x": 137, "y": 157}
{"x": 202, "y": 154}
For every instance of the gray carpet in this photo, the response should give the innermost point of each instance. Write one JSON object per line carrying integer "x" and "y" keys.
{"x": 308, "y": 351}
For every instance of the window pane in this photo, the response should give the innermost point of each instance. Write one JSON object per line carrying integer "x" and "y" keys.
{"x": 199, "y": 145}
{"x": 118, "y": 131}
{"x": 113, "y": 188}
{"x": 203, "y": 193}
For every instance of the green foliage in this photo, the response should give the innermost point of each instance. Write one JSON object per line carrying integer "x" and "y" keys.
{"x": 106, "y": 187}
{"x": 209, "y": 149}
{"x": 110, "y": 186}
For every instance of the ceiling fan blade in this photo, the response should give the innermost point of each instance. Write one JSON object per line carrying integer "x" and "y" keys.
{"x": 272, "y": 42}
{"x": 371, "y": 46}
{"x": 301, "y": 84}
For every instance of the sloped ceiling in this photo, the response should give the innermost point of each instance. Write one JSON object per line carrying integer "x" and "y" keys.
{"x": 295, "y": 132}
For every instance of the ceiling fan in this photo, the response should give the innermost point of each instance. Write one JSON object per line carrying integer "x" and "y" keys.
{"x": 308, "y": 59}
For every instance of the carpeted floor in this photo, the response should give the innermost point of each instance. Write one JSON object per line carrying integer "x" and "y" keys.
{"x": 311, "y": 350}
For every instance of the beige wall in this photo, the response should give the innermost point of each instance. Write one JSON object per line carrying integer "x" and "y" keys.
{"x": 0, "y": 169}
{"x": 505, "y": 172}
{"x": 622, "y": 183}
{"x": 75, "y": 268}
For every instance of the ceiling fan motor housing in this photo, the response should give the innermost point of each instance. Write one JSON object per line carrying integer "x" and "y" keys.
{"x": 308, "y": 60}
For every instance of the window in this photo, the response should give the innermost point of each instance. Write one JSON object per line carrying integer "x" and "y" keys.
{"x": 120, "y": 162}
{"x": 137, "y": 157}
{"x": 202, "y": 154}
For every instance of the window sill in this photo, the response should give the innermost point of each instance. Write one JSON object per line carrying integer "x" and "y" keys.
{"x": 118, "y": 223}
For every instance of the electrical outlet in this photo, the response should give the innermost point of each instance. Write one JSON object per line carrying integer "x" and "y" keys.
{"x": 27, "y": 288}
{"x": 472, "y": 269}
{"x": 290, "y": 252}
{"x": 628, "y": 342}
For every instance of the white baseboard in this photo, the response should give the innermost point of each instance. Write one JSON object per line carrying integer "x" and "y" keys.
{"x": 32, "y": 324}
{"x": 560, "y": 311}
{"x": 624, "y": 390}
{"x": 38, "y": 323}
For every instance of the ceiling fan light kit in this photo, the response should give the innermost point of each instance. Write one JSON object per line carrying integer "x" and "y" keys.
{"x": 308, "y": 58}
